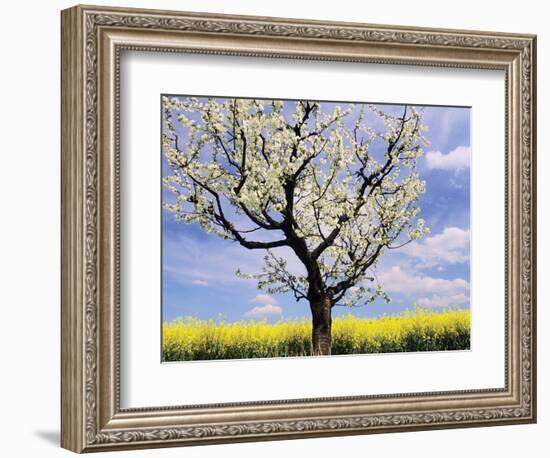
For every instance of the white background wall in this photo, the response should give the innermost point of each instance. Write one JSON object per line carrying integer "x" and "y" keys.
{"x": 29, "y": 226}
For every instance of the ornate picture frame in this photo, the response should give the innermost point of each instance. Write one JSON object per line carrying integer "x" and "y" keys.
{"x": 93, "y": 39}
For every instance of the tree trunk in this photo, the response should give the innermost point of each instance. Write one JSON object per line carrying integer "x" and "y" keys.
{"x": 321, "y": 338}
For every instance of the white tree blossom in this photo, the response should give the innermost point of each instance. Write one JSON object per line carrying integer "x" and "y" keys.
{"x": 337, "y": 186}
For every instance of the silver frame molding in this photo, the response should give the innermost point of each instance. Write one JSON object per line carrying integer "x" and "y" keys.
{"x": 92, "y": 40}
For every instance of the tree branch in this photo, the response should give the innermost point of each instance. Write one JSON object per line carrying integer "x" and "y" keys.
{"x": 228, "y": 225}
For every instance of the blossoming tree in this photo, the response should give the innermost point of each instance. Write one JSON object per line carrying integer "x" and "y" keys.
{"x": 337, "y": 187}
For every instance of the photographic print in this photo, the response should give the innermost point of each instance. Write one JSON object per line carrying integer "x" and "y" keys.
{"x": 294, "y": 228}
{"x": 355, "y": 202}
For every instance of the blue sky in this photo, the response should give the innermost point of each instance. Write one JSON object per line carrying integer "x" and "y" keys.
{"x": 198, "y": 270}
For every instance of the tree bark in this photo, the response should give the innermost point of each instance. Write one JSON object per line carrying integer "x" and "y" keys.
{"x": 321, "y": 333}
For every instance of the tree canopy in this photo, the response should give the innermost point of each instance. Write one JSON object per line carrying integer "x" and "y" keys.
{"x": 335, "y": 183}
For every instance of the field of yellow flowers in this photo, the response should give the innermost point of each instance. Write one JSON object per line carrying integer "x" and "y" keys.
{"x": 421, "y": 330}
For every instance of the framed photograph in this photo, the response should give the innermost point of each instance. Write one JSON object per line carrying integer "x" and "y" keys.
{"x": 279, "y": 228}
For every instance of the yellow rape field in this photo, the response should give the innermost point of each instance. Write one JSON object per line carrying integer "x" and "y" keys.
{"x": 188, "y": 338}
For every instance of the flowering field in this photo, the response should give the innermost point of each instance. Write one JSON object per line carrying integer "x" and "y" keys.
{"x": 191, "y": 339}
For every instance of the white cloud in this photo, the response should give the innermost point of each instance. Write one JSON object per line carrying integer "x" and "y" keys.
{"x": 457, "y": 159}
{"x": 200, "y": 282}
{"x": 424, "y": 290}
{"x": 443, "y": 301}
{"x": 268, "y": 307}
{"x": 263, "y": 299}
{"x": 452, "y": 246}
{"x": 400, "y": 281}
{"x": 264, "y": 311}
